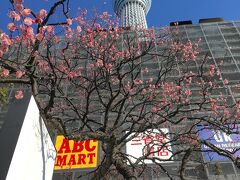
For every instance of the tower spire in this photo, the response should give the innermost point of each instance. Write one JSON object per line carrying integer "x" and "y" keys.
{"x": 132, "y": 12}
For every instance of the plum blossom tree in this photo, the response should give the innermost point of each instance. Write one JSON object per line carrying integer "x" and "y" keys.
{"x": 95, "y": 80}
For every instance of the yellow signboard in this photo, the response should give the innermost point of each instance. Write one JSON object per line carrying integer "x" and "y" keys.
{"x": 76, "y": 154}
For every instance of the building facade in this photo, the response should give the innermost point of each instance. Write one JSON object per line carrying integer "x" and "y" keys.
{"x": 220, "y": 41}
{"x": 220, "y": 44}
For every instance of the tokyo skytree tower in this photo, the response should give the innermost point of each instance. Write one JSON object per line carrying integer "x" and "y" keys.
{"x": 132, "y": 12}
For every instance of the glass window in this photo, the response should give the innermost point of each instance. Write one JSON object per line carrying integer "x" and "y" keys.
{"x": 232, "y": 37}
{"x": 217, "y": 53}
{"x": 220, "y": 168}
{"x": 210, "y": 29}
{"x": 229, "y": 30}
{"x": 216, "y": 38}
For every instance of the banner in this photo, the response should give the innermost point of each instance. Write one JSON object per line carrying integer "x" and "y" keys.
{"x": 152, "y": 143}
{"x": 76, "y": 154}
{"x": 219, "y": 139}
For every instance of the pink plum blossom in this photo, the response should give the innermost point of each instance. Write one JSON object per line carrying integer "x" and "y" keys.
{"x": 226, "y": 114}
{"x": 69, "y": 22}
{"x": 26, "y": 12}
{"x": 43, "y": 66}
{"x": 212, "y": 70}
{"x": 79, "y": 29}
{"x": 137, "y": 82}
{"x": 72, "y": 75}
{"x": 19, "y": 74}
{"x": 42, "y": 13}
{"x": 29, "y": 33}
{"x": 12, "y": 27}
{"x": 39, "y": 36}
{"x": 49, "y": 29}
{"x": 5, "y": 39}
{"x": 14, "y": 15}
{"x": 19, "y": 94}
{"x": 154, "y": 109}
{"x": 144, "y": 91}
{"x": 188, "y": 92}
{"x": 99, "y": 63}
{"x": 5, "y": 73}
{"x": 105, "y": 15}
{"x": 214, "y": 104}
{"x": 19, "y": 7}
{"x": 28, "y": 21}
{"x": 18, "y": 39}
{"x": 225, "y": 81}
{"x": 91, "y": 66}
{"x": 109, "y": 67}
{"x": 69, "y": 32}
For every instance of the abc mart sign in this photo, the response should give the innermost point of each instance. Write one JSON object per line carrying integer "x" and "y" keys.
{"x": 75, "y": 154}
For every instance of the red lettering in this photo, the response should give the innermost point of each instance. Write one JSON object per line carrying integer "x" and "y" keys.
{"x": 78, "y": 146}
{"x": 61, "y": 160}
{"x": 87, "y": 146}
{"x": 91, "y": 155}
{"x": 72, "y": 160}
{"x": 65, "y": 145}
{"x": 163, "y": 151}
{"x": 81, "y": 159}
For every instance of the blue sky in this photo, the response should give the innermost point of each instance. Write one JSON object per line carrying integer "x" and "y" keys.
{"x": 161, "y": 13}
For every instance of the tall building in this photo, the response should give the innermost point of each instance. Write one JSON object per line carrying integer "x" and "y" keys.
{"x": 220, "y": 42}
{"x": 132, "y": 12}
